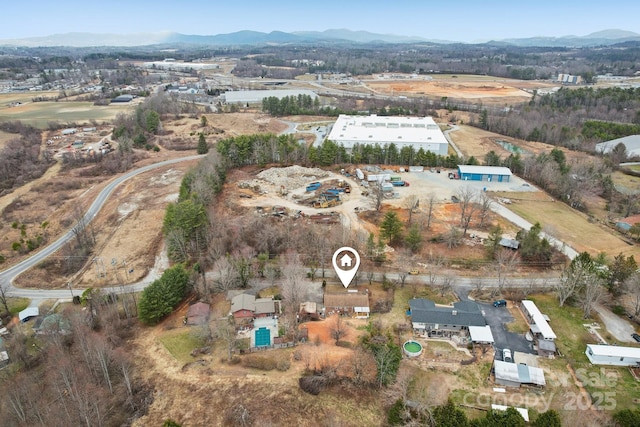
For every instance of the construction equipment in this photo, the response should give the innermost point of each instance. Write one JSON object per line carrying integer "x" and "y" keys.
{"x": 324, "y": 203}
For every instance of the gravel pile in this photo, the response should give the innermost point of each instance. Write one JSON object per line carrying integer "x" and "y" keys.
{"x": 291, "y": 177}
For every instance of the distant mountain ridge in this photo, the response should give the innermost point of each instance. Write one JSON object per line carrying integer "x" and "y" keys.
{"x": 247, "y": 37}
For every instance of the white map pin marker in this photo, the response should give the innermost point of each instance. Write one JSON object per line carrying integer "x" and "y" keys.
{"x": 346, "y": 265}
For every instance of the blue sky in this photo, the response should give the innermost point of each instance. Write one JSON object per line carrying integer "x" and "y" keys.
{"x": 462, "y": 20}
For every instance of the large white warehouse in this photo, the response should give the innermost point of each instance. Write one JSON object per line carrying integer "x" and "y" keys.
{"x": 417, "y": 132}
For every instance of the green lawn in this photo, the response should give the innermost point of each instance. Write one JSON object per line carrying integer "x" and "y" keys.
{"x": 16, "y": 305}
{"x": 180, "y": 342}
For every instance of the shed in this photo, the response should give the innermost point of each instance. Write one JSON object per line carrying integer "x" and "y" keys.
{"x": 481, "y": 334}
{"x": 546, "y": 348}
{"x": 28, "y": 313}
{"x": 514, "y": 375}
{"x": 484, "y": 173}
{"x": 613, "y": 355}
{"x": 198, "y": 313}
{"x": 509, "y": 243}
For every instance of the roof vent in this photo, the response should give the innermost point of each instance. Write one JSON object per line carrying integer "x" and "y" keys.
{"x": 454, "y": 312}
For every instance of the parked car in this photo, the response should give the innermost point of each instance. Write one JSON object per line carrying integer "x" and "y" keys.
{"x": 414, "y": 271}
{"x": 500, "y": 303}
{"x": 635, "y": 337}
{"x": 506, "y": 355}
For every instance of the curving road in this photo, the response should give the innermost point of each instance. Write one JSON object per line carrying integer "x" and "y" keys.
{"x": 7, "y": 276}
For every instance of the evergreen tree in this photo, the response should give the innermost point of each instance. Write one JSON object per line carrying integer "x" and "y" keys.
{"x": 203, "y": 148}
{"x": 391, "y": 227}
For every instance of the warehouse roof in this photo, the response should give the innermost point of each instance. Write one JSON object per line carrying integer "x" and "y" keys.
{"x": 484, "y": 170}
{"x": 631, "y": 143}
{"x": 386, "y": 129}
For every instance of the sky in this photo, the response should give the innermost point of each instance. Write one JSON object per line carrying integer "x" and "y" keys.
{"x": 462, "y": 20}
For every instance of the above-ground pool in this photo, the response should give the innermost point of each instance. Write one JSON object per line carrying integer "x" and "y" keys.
{"x": 412, "y": 348}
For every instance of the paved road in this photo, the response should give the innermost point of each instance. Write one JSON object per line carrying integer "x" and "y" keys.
{"x": 7, "y": 276}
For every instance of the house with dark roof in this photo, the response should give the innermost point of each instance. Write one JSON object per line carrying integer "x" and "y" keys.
{"x": 350, "y": 302}
{"x": 437, "y": 320}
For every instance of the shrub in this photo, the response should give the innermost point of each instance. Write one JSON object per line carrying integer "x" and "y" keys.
{"x": 283, "y": 365}
{"x": 345, "y": 344}
{"x": 264, "y": 363}
{"x": 312, "y": 384}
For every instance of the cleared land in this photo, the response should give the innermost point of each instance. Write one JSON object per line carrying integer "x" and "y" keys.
{"x": 39, "y": 114}
{"x": 568, "y": 225}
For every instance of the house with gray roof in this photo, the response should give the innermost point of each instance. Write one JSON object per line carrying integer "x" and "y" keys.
{"x": 436, "y": 320}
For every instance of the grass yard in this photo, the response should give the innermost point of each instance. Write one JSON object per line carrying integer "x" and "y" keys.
{"x": 39, "y": 114}
{"x": 627, "y": 183}
{"x": 569, "y": 226}
{"x": 567, "y": 323}
{"x": 180, "y": 342}
{"x": 16, "y": 305}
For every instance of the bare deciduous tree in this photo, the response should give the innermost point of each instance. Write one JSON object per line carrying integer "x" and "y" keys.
{"x": 447, "y": 283}
{"x": 411, "y": 203}
{"x": 431, "y": 200}
{"x": 485, "y": 203}
{"x": 338, "y": 328}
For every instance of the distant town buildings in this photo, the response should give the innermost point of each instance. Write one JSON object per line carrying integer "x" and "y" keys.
{"x": 569, "y": 79}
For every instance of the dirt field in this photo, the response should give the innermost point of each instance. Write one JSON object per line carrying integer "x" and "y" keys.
{"x": 489, "y": 89}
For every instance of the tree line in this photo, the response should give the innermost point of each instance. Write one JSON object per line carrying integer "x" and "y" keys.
{"x": 576, "y": 118}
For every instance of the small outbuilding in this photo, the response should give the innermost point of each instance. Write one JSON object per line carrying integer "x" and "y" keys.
{"x": 613, "y": 355}
{"x": 198, "y": 314}
{"x": 28, "y": 313}
{"x": 481, "y": 334}
{"x": 484, "y": 173}
{"x": 514, "y": 375}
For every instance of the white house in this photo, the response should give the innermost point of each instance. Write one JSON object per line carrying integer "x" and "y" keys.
{"x": 613, "y": 355}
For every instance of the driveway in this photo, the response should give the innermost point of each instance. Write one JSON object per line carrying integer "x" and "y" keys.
{"x": 497, "y": 318}
{"x": 619, "y": 328}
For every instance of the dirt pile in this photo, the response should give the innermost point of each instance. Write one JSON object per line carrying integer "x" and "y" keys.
{"x": 290, "y": 177}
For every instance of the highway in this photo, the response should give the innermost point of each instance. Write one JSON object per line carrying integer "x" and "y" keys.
{"x": 7, "y": 276}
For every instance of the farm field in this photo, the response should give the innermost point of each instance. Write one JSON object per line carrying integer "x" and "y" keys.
{"x": 39, "y": 114}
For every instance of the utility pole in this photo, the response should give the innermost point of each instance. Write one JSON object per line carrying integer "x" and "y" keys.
{"x": 70, "y": 290}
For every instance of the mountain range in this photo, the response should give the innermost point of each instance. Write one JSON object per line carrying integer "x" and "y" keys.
{"x": 600, "y": 38}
